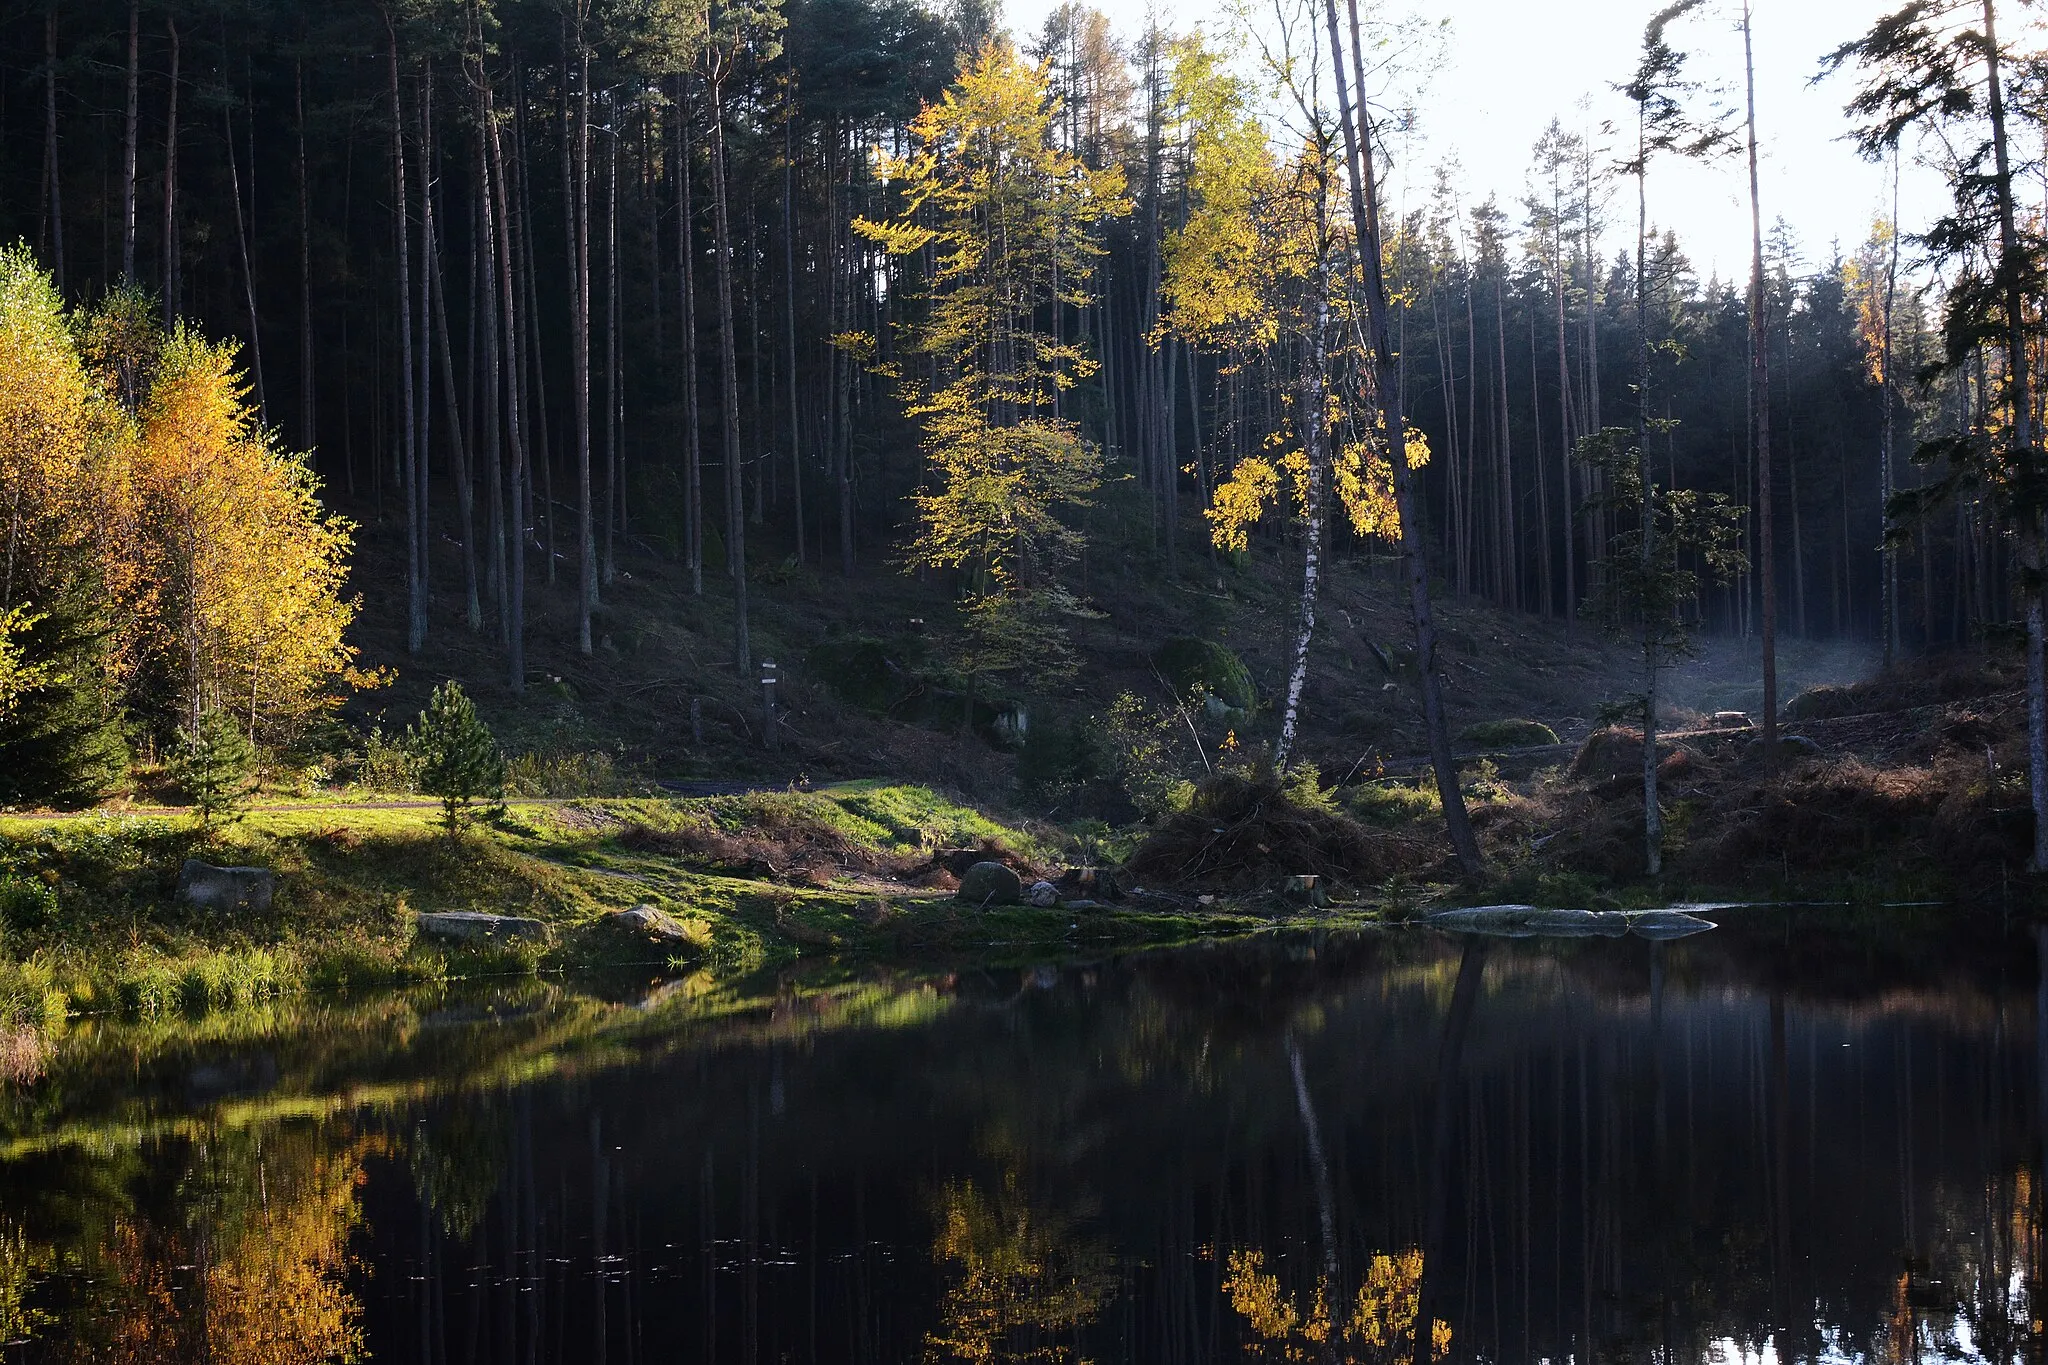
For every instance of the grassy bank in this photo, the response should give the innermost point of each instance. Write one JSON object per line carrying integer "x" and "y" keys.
{"x": 93, "y": 921}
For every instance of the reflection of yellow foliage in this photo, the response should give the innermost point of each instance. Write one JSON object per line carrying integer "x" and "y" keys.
{"x": 20, "y": 1261}
{"x": 279, "y": 1297}
{"x": 1018, "y": 1284}
{"x": 274, "y": 1227}
{"x": 1381, "y": 1328}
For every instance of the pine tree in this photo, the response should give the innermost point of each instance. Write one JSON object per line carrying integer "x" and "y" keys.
{"x": 459, "y": 760}
{"x": 211, "y": 762}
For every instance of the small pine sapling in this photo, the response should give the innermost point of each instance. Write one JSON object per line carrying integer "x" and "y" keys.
{"x": 211, "y": 762}
{"x": 458, "y": 757}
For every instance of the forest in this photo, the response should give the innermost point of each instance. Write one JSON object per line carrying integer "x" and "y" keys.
{"x": 856, "y": 679}
{"x": 355, "y": 348}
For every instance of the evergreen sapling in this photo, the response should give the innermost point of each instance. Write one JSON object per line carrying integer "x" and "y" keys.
{"x": 458, "y": 758}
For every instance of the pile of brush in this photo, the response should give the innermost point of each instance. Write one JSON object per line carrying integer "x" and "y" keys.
{"x": 1244, "y": 832}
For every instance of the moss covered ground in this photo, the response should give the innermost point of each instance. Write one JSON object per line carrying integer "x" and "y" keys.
{"x": 103, "y": 928}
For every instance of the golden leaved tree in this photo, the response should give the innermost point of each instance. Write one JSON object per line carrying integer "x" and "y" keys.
{"x": 1008, "y": 223}
{"x": 246, "y": 613}
{"x": 1253, "y": 271}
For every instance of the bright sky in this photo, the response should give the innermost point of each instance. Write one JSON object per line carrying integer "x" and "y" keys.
{"x": 1513, "y": 65}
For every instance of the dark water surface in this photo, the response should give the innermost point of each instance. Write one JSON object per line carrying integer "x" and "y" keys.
{"x": 1787, "y": 1139}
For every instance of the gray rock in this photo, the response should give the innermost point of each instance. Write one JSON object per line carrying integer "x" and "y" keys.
{"x": 475, "y": 924}
{"x": 1044, "y": 895}
{"x": 1528, "y": 921}
{"x": 1789, "y": 746}
{"x": 226, "y": 888}
{"x": 990, "y": 884}
{"x": 645, "y": 921}
{"x": 1663, "y": 924}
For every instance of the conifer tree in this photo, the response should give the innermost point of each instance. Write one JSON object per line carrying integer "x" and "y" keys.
{"x": 1939, "y": 66}
{"x": 459, "y": 760}
{"x": 211, "y": 762}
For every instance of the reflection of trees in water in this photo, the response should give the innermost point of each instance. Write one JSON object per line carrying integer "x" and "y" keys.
{"x": 1021, "y": 1285}
{"x": 237, "y": 1254}
{"x": 1378, "y": 1329}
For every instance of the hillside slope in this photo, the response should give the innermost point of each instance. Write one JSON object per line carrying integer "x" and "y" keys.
{"x": 659, "y": 646}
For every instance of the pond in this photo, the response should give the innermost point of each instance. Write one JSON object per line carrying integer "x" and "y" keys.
{"x": 1805, "y": 1135}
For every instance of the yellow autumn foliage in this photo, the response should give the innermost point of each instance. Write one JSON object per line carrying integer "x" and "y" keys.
{"x": 131, "y": 464}
{"x": 248, "y": 570}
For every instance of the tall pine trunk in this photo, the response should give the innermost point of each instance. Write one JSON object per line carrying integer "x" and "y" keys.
{"x": 1653, "y": 814}
{"x": 53, "y": 177}
{"x": 172, "y": 261}
{"x": 796, "y": 463}
{"x": 306, "y": 381}
{"x": 686, "y": 256}
{"x": 128, "y": 137}
{"x": 729, "y": 381}
{"x": 415, "y": 596}
{"x": 1379, "y": 345}
{"x": 1760, "y": 413}
{"x": 507, "y": 254}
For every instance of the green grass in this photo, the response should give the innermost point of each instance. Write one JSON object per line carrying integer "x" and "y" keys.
{"x": 1395, "y": 803}
{"x": 106, "y": 932}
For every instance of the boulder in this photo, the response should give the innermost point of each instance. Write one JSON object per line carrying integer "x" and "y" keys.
{"x": 1663, "y": 924}
{"x": 1528, "y": 921}
{"x": 988, "y": 883}
{"x": 1044, "y": 895}
{"x": 469, "y": 925}
{"x": 226, "y": 888}
{"x": 1789, "y": 747}
{"x": 656, "y": 926}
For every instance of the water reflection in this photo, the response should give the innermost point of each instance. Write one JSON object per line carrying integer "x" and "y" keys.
{"x": 1788, "y": 1141}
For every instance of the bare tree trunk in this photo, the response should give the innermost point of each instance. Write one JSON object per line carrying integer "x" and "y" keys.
{"x": 128, "y": 135}
{"x": 1653, "y": 814}
{"x": 515, "y": 626}
{"x": 578, "y": 198}
{"x": 170, "y": 232}
{"x": 1365, "y": 212}
{"x": 842, "y": 365}
{"x": 416, "y": 605}
{"x": 686, "y": 254}
{"x": 728, "y": 367}
{"x": 248, "y": 271}
{"x": 492, "y": 450}
{"x": 533, "y": 436}
{"x": 1315, "y": 445}
{"x": 796, "y": 463}
{"x": 1888, "y": 394}
{"x": 55, "y": 178}
{"x": 306, "y": 382}
{"x": 459, "y": 444}
{"x": 1760, "y": 415}
{"x": 613, "y": 402}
